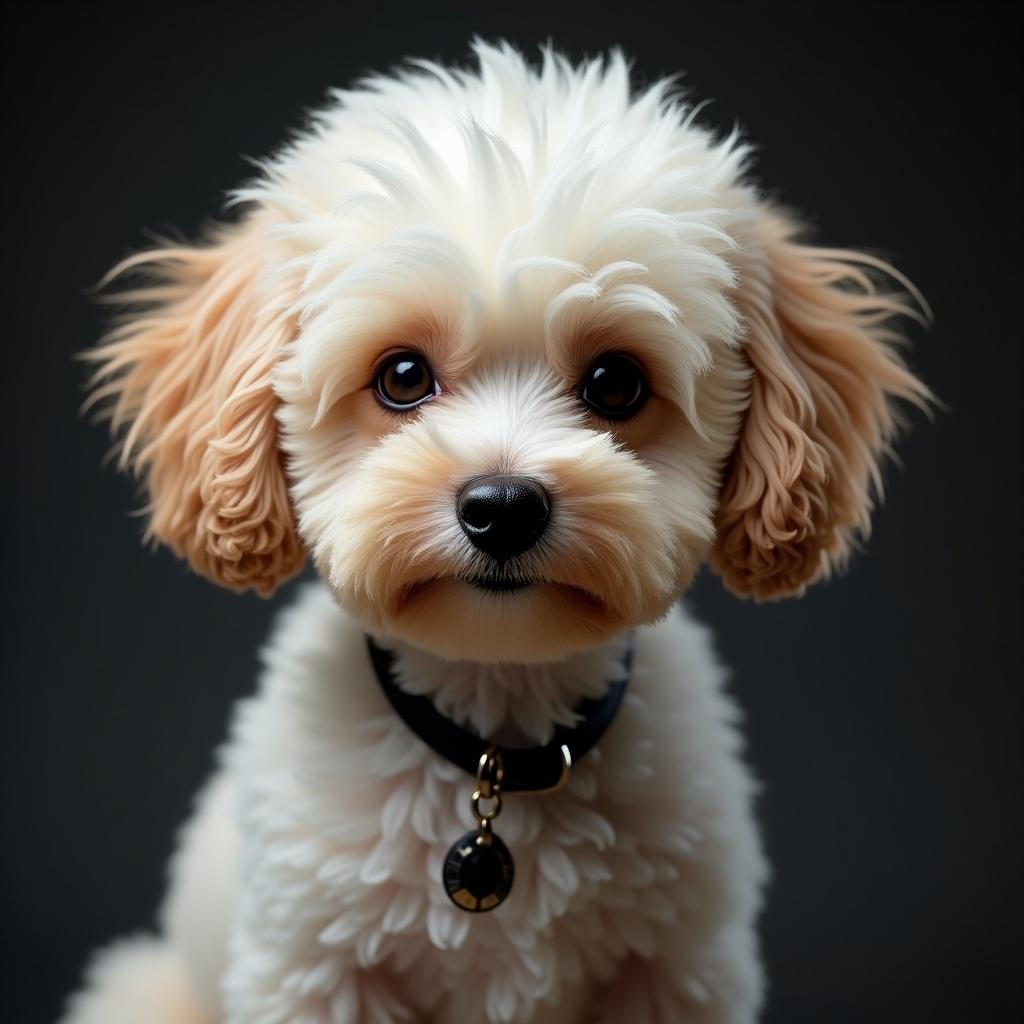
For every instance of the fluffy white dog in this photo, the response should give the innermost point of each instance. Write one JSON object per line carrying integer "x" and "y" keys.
{"x": 508, "y": 353}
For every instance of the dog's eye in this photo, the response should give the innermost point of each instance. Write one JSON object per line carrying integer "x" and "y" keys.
{"x": 405, "y": 380}
{"x": 614, "y": 386}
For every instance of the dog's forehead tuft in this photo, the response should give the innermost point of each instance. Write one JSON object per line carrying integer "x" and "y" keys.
{"x": 520, "y": 168}
{"x": 541, "y": 207}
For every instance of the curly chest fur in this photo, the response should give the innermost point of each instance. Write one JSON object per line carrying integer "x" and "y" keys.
{"x": 347, "y": 817}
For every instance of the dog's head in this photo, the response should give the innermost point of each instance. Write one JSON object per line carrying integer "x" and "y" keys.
{"x": 509, "y": 355}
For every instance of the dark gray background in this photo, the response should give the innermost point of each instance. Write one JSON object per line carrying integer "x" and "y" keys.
{"x": 883, "y": 710}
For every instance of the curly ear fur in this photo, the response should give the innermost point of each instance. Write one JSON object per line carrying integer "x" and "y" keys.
{"x": 825, "y": 374}
{"x": 188, "y": 377}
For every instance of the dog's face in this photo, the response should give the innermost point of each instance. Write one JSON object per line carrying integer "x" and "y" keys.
{"x": 508, "y": 381}
{"x": 509, "y": 442}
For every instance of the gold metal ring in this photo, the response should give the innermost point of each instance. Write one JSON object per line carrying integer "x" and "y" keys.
{"x": 490, "y": 772}
{"x": 490, "y": 815}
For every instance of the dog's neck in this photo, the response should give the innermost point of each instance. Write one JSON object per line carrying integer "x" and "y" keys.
{"x": 514, "y": 705}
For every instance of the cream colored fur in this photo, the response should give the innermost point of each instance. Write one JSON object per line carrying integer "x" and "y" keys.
{"x": 510, "y": 225}
{"x": 636, "y": 888}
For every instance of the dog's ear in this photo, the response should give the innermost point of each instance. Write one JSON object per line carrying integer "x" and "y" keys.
{"x": 186, "y": 377}
{"x": 820, "y": 344}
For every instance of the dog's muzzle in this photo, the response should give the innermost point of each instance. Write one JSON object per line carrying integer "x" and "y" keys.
{"x": 503, "y": 516}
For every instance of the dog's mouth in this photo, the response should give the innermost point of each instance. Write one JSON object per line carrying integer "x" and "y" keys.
{"x": 499, "y": 584}
{"x": 494, "y": 616}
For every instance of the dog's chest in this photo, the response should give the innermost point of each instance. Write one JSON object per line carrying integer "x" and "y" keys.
{"x": 357, "y": 857}
{"x": 347, "y": 818}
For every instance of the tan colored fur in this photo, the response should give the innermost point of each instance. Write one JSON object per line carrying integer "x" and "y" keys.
{"x": 820, "y": 341}
{"x": 190, "y": 378}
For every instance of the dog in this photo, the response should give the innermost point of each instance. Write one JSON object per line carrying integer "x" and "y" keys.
{"x": 508, "y": 354}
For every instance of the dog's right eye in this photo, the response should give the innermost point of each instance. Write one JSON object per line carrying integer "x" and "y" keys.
{"x": 404, "y": 381}
{"x": 615, "y": 386}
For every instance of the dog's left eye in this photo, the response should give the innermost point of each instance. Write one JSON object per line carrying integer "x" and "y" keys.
{"x": 615, "y": 386}
{"x": 404, "y": 381}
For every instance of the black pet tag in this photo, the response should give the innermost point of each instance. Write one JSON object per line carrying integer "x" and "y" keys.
{"x": 478, "y": 871}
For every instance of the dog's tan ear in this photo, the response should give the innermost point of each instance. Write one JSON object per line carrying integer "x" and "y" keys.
{"x": 820, "y": 342}
{"x": 187, "y": 378}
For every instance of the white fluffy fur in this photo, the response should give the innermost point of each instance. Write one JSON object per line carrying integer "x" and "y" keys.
{"x": 511, "y": 225}
{"x": 636, "y": 888}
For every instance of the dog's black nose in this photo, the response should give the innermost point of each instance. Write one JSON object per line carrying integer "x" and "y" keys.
{"x": 503, "y": 515}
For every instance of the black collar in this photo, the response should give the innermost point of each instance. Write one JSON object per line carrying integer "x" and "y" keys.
{"x": 526, "y": 769}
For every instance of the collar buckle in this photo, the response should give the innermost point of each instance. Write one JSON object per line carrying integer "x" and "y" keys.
{"x": 563, "y": 779}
